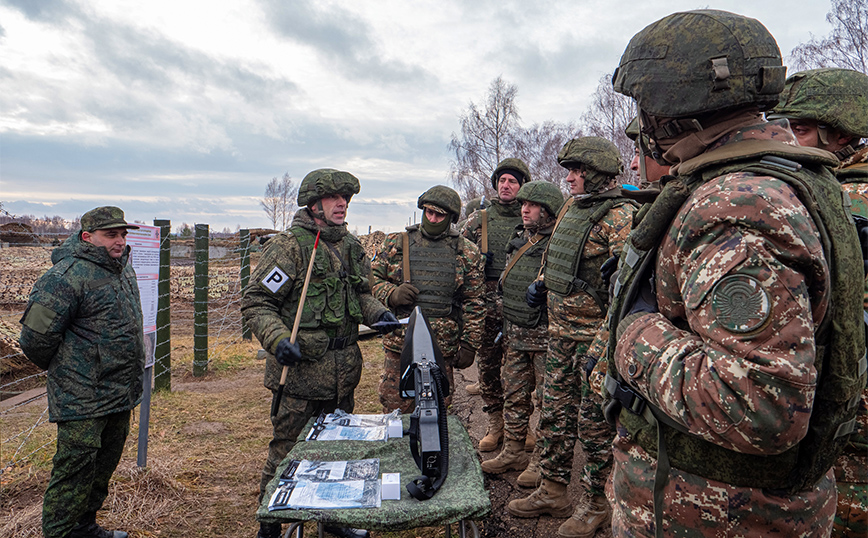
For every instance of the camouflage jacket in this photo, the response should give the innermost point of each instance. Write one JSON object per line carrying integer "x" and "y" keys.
{"x": 466, "y": 322}
{"x": 515, "y": 336}
{"x": 502, "y": 219}
{"x": 742, "y": 284}
{"x": 269, "y": 308}
{"x": 852, "y": 466}
{"x": 83, "y": 324}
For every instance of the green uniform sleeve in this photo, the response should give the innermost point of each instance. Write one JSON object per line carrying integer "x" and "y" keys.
{"x": 270, "y": 287}
{"x": 386, "y": 270}
{"x": 49, "y": 312}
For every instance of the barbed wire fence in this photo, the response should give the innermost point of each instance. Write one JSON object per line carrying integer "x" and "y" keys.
{"x": 207, "y": 277}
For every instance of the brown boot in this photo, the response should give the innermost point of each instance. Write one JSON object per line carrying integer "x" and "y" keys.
{"x": 473, "y": 389}
{"x": 530, "y": 442}
{"x": 587, "y": 518}
{"x": 530, "y": 477}
{"x": 550, "y": 498}
{"x": 494, "y": 435}
{"x": 511, "y": 458}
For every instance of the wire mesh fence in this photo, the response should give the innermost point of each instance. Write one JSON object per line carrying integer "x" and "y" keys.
{"x": 26, "y": 436}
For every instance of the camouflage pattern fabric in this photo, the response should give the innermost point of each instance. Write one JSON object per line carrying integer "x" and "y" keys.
{"x": 851, "y": 469}
{"x": 88, "y": 451}
{"x": 83, "y": 323}
{"x": 314, "y": 383}
{"x": 462, "y": 496}
{"x": 522, "y": 389}
{"x": 292, "y": 416}
{"x": 489, "y": 356}
{"x": 464, "y": 325}
{"x": 569, "y": 410}
{"x": 742, "y": 379}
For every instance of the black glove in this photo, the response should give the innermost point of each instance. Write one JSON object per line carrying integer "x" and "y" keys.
{"x": 489, "y": 257}
{"x": 608, "y": 269}
{"x": 287, "y": 353}
{"x": 389, "y": 323}
{"x": 466, "y": 354}
{"x": 403, "y": 295}
{"x": 646, "y": 298}
{"x": 536, "y": 294}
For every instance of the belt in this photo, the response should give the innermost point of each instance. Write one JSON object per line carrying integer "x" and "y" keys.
{"x": 342, "y": 342}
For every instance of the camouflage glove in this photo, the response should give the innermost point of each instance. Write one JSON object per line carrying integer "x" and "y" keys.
{"x": 466, "y": 354}
{"x": 403, "y": 295}
{"x": 389, "y": 323}
{"x": 287, "y": 353}
{"x": 536, "y": 294}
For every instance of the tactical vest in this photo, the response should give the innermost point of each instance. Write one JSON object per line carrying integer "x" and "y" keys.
{"x": 331, "y": 295}
{"x": 566, "y": 268}
{"x": 433, "y": 265}
{"x": 523, "y": 271}
{"x": 840, "y": 354}
{"x": 500, "y": 226}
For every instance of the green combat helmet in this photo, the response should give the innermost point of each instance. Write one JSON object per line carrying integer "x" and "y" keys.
{"x": 444, "y": 198}
{"x": 513, "y": 166}
{"x": 693, "y": 63}
{"x": 600, "y": 157}
{"x": 834, "y": 97}
{"x": 325, "y": 182}
{"x": 544, "y": 193}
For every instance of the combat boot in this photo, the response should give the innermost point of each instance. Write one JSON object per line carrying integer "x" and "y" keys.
{"x": 473, "y": 389}
{"x": 530, "y": 477}
{"x": 511, "y": 458}
{"x": 494, "y": 434}
{"x": 549, "y": 498}
{"x": 587, "y": 518}
{"x": 87, "y": 527}
{"x": 268, "y": 530}
{"x": 530, "y": 441}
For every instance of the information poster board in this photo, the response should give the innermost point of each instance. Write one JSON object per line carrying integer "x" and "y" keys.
{"x": 145, "y": 258}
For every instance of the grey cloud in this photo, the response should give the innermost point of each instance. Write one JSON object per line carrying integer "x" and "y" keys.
{"x": 42, "y": 10}
{"x": 341, "y": 37}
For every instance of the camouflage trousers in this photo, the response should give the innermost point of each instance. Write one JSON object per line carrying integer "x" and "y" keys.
{"x": 570, "y": 409}
{"x": 489, "y": 359}
{"x": 88, "y": 452}
{"x": 522, "y": 376}
{"x": 292, "y": 416}
{"x": 851, "y": 517}
{"x": 390, "y": 396}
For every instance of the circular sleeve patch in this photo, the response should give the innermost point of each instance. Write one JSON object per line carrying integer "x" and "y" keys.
{"x": 740, "y": 304}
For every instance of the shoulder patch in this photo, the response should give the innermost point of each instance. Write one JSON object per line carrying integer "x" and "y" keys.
{"x": 274, "y": 280}
{"x": 740, "y": 304}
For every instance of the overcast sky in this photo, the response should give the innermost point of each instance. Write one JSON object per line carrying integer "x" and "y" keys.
{"x": 186, "y": 109}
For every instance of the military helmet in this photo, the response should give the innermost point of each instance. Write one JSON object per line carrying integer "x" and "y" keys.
{"x": 696, "y": 62}
{"x": 325, "y": 182}
{"x": 593, "y": 152}
{"x": 442, "y": 197}
{"x": 836, "y": 97}
{"x": 544, "y": 193}
{"x": 513, "y": 166}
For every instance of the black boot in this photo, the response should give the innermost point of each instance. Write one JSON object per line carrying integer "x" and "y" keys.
{"x": 346, "y": 532}
{"x": 87, "y": 527}
{"x": 268, "y": 530}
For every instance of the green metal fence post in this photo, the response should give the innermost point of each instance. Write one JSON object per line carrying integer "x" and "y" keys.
{"x": 163, "y": 349}
{"x": 244, "y": 247}
{"x": 200, "y": 302}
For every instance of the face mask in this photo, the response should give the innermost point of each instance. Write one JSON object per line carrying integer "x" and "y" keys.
{"x": 435, "y": 229}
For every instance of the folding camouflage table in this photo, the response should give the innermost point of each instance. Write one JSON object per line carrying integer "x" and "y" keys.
{"x": 462, "y": 498}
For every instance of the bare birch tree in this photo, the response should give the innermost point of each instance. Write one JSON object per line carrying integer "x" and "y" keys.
{"x": 846, "y": 46}
{"x": 608, "y": 116}
{"x": 279, "y": 201}
{"x": 484, "y": 139}
{"x": 538, "y": 147}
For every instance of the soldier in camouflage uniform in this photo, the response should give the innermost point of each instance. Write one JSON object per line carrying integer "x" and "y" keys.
{"x": 325, "y": 363}
{"x": 445, "y": 280}
{"x": 828, "y": 109}
{"x": 592, "y": 228}
{"x": 83, "y": 324}
{"x": 498, "y": 222}
{"x": 643, "y": 163}
{"x": 525, "y": 329}
{"x": 726, "y": 307}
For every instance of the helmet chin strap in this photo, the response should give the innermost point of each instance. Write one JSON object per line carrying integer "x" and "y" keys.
{"x": 320, "y": 214}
